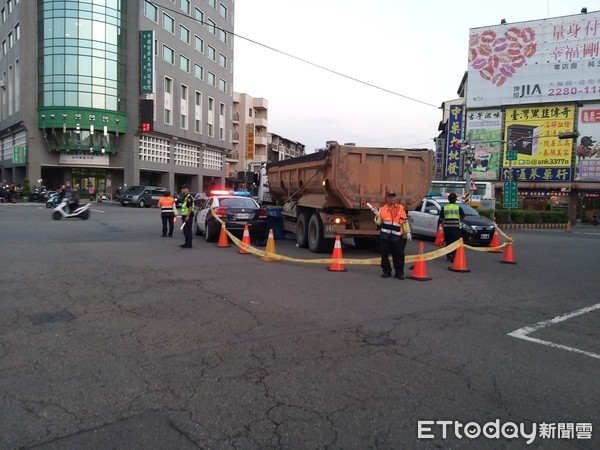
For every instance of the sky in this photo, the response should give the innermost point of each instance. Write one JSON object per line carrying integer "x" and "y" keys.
{"x": 415, "y": 51}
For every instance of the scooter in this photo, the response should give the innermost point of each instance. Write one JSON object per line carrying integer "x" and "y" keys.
{"x": 53, "y": 201}
{"x": 60, "y": 211}
{"x": 596, "y": 220}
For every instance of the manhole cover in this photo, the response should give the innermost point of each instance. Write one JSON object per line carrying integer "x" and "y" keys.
{"x": 51, "y": 317}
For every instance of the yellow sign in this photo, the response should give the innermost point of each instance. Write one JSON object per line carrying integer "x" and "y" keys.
{"x": 249, "y": 141}
{"x": 533, "y": 133}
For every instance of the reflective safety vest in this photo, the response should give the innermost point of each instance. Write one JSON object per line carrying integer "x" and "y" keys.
{"x": 167, "y": 205}
{"x": 392, "y": 221}
{"x": 452, "y": 215}
{"x": 185, "y": 210}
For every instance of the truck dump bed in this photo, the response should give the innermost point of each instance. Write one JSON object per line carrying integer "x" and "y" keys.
{"x": 350, "y": 177}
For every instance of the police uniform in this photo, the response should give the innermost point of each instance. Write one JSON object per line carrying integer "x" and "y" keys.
{"x": 187, "y": 215}
{"x": 393, "y": 224}
{"x": 452, "y": 215}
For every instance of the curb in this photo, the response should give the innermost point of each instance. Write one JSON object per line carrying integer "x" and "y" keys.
{"x": 519, "y": 226}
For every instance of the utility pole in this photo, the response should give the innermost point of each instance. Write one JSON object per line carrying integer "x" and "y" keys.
{"x": 469, "y": 155}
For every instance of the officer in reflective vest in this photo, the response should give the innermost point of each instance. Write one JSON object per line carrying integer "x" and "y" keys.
{"x": 451, "y": 215}
{"x": 187, "y": 216}
{"x": 167, "y": 213}
{"x": 393, "y": 234}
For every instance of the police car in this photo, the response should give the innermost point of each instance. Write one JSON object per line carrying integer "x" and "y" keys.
{"x": 236, "y": 210}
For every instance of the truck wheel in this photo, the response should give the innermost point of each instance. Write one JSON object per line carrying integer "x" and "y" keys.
{"x": 316, "y": 242}
{"x": 302, "y": 230}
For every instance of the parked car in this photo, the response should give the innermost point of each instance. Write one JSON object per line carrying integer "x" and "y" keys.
{"x": 142, "y": 196}
{"x": 476, "y": 229}
{"x": 236, "y": 212}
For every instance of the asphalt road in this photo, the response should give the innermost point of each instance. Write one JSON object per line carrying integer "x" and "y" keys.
{"x": 113, "y": 337}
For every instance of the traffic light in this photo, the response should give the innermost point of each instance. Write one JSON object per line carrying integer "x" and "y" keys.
{"x": 146, "y": 115}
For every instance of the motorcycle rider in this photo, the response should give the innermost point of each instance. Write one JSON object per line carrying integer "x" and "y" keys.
{"x": 72, "y": 197}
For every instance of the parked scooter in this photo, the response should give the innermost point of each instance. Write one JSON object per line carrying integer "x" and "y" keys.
{"x": 53, "y": 201}
{"x": 60, "y": 211}
{"x": 596, "y": 220}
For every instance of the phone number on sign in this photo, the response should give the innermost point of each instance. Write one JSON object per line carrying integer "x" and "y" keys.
{"x": 555, "y": 92}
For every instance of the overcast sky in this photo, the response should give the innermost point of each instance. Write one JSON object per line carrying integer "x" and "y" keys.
{"x": 417, "y": 49}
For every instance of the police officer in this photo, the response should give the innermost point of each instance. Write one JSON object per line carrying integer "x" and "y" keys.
{"x": 393, "y": 223}
{"x": 167, "y": 213}
{"x": 187, "y": 216}
{"x": 451, "y": 215}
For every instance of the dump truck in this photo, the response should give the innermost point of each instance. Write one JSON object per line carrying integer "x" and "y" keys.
{"x": 326, "y": 194}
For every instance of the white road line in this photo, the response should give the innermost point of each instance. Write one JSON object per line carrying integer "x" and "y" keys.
{"x": 523, "y": 333}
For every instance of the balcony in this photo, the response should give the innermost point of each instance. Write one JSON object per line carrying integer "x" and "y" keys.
{"x": 236, "y": 138}
{"x": 260, "y": 122}
{"x": 236, "y": 117}
{"x": 260, "y": 140}
{"x": 260, "y": 103}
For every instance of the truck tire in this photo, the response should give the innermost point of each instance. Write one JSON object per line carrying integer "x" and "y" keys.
{"x": 316, "y": 242}
{"x": 302, "y": 230}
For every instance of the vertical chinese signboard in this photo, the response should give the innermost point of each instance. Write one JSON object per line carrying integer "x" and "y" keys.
{"x": 484, "y": 131}
{"x": 533, "y": 133}
{"x": 146, "y": 62}
{"x": 587, "y": 158}
{"x": 19, "y": 155}
{"x": 249, "y": 142}
{"x": 455, "y": 133}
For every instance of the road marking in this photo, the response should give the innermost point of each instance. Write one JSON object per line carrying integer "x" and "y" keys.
{"x": 523, "y": 333}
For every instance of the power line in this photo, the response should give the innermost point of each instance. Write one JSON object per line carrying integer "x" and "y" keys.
{"x": 289, "y": 55}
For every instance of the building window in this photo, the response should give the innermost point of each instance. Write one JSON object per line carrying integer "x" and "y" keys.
{"x": 211, "y": 26}
{"x": 184, "y": 92}
{"x": 3, "y": 15}
{"x": 199, "y": 44}
{"x": 211, "y": 117}
{"x": 223, "y": 60}
{"x": 249, "y": 112}
{"x": 10, "y": 40}
{"x": 212, "y": 53}
{"x": 153, "y": 149}
{"x": 168, "y": 23}
{"x": 222, "y": 36}
{"x": 185, "y": 6}
{"x": 198, "y": 71}
{"x": 184, "y": 34}
{"x": 168, "y": 86}
{"x": 222, "y": 11}
{"x": 211, "y": 79}
{"x": 151, "y": 11}
{"x": 198, "y": 112}
{"x": 168, "y": 119}
{"x": 222, "y": 85}
{"x": 17, "y": 32}
{"x": 184, "y": 63}
{"x": 222, "y": 121}
{"x": 199, "y": 16}
{"x": 183, "y": 121}
{"x": 168, "y": 54}
{"x": 213, "y": 3}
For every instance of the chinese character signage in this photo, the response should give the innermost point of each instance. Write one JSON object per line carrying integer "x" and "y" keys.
{"x": 484, "y": 132}
{"x": 587, "y": 158}
{"x": 249, "y": 141}
{"x": 83, "y": 159}
{"x": 533, "y": 134}
{"x": 539, "y": 61}
{"x": 455, "y": 135}
{"x": 19, "y": 155}
{"x": 146, "y": 62}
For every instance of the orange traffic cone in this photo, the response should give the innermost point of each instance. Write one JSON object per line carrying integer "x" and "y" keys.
{"x": 419, "y": 272}
{"x": 336, "y": 265}
{"x": 439, "y": 237}
{"x": 223, "y": 241}
{"x": 509, "y": 257}
{"x": 245, "y": 240}
{"x": 270, "y": 248}
{"x": 495, "y": 242}
{"x": 568, "y": 229}
{"x": 460, "y": 261}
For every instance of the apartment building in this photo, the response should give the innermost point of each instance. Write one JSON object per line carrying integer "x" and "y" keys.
{"x": 116, "y": 93}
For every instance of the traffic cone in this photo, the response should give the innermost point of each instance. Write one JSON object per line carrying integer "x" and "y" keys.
{"x": 568, "y": 229}
{"x": 419, "y": 272}
{"x": 223, "y": 241}
{"x": 460, "y": 261}
{"x": 439, "y": 237}
{"x": 270, "y": 248}
{"x": 245, "y": 240}
{"x": 495, "y": 242}
{"x": 509, "y": 257}
{"x": 336, "y": 265}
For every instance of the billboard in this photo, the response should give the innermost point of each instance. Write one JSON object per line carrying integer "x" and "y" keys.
{"x": 532, "y": 133}
{"x": 146, "y": 62}
{"x": 484, "y": 132}
{"x": 539, "y": 61}
{"x": 249, "y": 142}
{"x": 587, "y": 157}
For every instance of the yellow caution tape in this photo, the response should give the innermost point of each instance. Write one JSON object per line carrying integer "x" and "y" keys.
{"x": 270, "y": 256}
